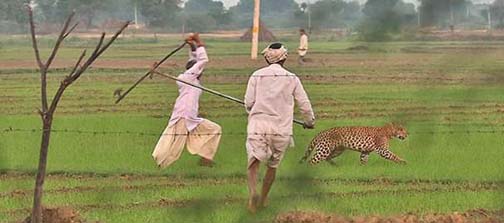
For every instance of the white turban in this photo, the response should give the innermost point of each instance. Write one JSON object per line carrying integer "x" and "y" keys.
{"x": 275, "y": 55}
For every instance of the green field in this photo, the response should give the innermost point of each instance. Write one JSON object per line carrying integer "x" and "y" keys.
{"x": 449, "y": 95}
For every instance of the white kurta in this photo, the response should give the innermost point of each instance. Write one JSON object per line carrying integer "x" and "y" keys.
{"x": 269, "y": 99}
{"x": 185, "y": 128}
{"x": 303, "y": 45}
{"x": 187, "y": 103}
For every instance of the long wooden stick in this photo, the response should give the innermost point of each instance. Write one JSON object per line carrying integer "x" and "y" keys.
{"x": 121, "y": 96}
{"x": 211, "y": 91}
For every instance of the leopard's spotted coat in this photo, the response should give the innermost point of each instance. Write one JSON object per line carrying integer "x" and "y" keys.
{"x": 332, "y": 142}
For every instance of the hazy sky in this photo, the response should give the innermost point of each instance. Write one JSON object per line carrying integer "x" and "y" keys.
{"x": 228, "y": 3}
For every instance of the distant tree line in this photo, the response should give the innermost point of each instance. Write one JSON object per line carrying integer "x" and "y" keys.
{"x": 373, "y": 20}
{"x": 443, "y": 12}
{"x": 192, "y": 15}
{"x": 384, "y": 18}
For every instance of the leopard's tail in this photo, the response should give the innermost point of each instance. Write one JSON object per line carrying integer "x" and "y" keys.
{"x": 309, "y": 150}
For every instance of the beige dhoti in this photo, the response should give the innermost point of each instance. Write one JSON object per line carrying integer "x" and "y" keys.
{"x": 264, "y": 143}
{"x": 302, "y": 52}
{"x": 268, "y": 148}
{"x": 303, "y": 45}
{"x": 203, "y": 141}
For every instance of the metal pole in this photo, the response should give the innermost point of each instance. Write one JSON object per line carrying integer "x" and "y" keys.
{"x": 452, "y": 17}
{"x": 468, "y": 11}
{"x": 309, "y": 17}
{"x": 255, "y": 30}
{"x": 489, "y": 17}
{"x": 419, "y": 18}
{"x": 211, "y": 91}
{"x": 136, "y": 16}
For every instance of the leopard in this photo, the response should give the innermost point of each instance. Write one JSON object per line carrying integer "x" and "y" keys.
{"x": 331, "y": 143}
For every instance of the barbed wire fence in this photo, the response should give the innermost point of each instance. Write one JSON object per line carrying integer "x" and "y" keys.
{"x": 139, "y": 133}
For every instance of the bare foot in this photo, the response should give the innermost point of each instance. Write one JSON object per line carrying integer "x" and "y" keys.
{"x": 263, "y": 203}
{"x": 206, "y": 162}
{"x": 252, "y": 204}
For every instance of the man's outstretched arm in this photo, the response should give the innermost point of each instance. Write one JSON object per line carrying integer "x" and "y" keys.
{"x": 304, "y": 104}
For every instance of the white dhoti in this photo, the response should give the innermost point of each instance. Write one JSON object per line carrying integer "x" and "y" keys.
{"x": 264, "y": 144}
{"x": 267, "y": 148}
{"x": 203, "y": 141}
{"x": 303, "y": 45}
{"x": 302, "y": 52}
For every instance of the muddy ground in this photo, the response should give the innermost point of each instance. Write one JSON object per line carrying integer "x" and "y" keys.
{"x": 471, "y": 216}
{"x": 68, "y": 215}
{"x": 59, "y": 215}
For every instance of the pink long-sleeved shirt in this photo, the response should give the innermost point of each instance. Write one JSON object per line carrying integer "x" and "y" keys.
{"x": 269, "y": 99}
{"x": 187, "y": 103}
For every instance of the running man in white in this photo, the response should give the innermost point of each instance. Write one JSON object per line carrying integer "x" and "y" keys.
{"x": 269, "y": 100}
{"x": 200, "y": 135}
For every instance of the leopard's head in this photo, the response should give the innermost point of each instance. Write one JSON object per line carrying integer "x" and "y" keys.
{"x": 398, "y": 131}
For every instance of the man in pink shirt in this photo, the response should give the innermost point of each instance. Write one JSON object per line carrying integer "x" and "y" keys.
{"x": 269, "y": 100}
{"x": 200, "y": 135}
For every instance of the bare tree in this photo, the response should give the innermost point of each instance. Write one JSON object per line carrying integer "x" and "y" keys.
{"x": 47, "y": 110}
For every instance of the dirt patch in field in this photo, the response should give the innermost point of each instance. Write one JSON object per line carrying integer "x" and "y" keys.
{"x": 359, "y": 48}
{"x": 460, "y": 35}
{"x": 59, "y": 215}
{"x": 472, "y": 216}
{"x": 105, "y": 63}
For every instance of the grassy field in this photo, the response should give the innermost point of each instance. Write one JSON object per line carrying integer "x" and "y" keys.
{"x": 449, "y": 95}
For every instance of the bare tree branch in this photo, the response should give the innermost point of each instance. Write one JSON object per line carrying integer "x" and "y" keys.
{"x": 99, "y": 45}
{"x": 83, "y": 54}
{"x": 78, "y": 72}
{"x": 63, "y": 85}
{"x": 34, "y": 39}
{"x": 71, "y": 30}
{"x": 42, "y": 67}
{"x": 98, "y": 51}
{"x": 61, "y": 37}
{"x": 114, "y": 37}
{"x": 46, "y": 112}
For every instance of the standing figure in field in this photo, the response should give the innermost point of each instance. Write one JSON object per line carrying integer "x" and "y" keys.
{"x": 303, "y": 46}
{"x": 269, "y": 100}
{"x": 333, "y": 142}
{"x": 200, "y": 135}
